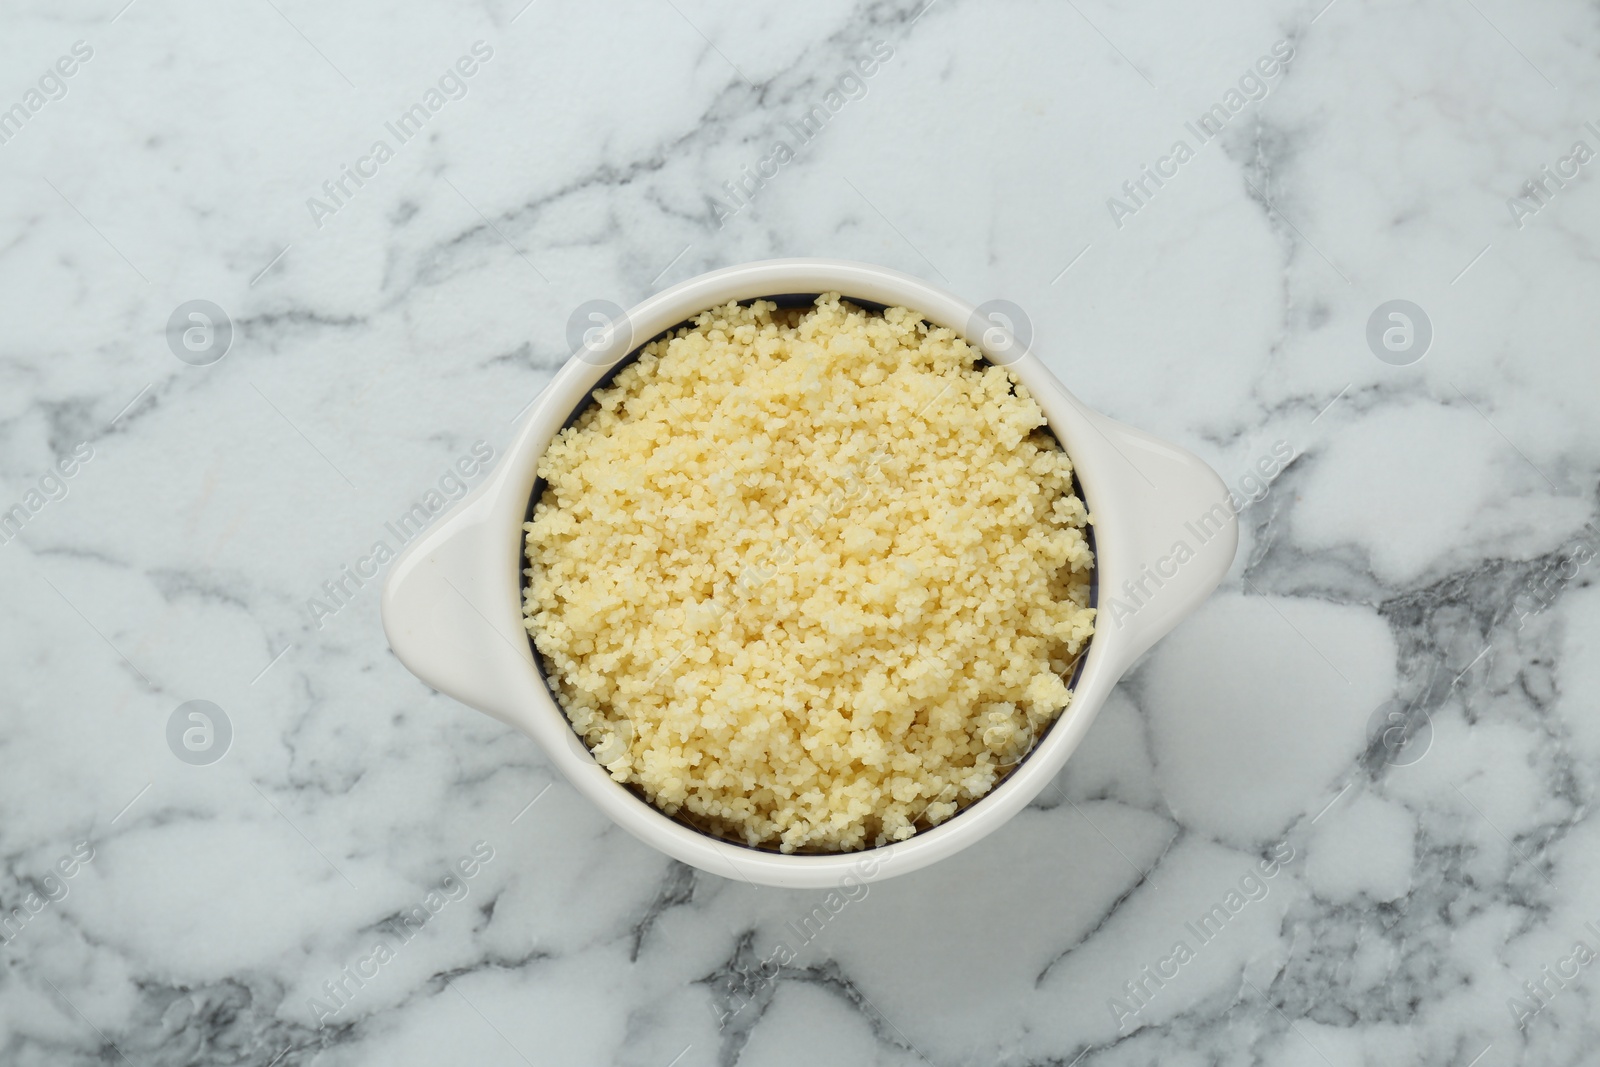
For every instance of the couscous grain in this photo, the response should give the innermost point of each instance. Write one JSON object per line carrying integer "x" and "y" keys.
{"x": 811, "y": 579}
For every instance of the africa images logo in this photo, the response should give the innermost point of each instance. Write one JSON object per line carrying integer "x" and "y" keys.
{"x": 851, "y": 85}
{"x": 1253, "y": 86}
{"x": 352, "y": 178}
{"x": 341, "y": 590}
{"x": 1152, "y": 978}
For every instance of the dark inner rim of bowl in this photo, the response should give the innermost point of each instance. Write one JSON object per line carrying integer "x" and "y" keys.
{"x": 784, "y": 300}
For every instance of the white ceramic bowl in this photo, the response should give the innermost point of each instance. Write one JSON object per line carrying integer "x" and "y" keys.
{"x": 452, "y": 601}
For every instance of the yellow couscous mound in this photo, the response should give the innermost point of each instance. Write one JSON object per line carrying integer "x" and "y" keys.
{"x": 811, "y": 579}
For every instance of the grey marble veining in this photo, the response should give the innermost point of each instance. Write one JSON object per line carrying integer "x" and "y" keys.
{"x": 1390, "y": 703}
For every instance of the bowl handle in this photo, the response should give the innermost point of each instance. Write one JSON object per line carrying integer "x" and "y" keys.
{"x": 1165, "y": 531}
{"x": 452, "y": 613}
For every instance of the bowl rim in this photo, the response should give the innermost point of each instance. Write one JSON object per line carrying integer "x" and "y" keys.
{"x": 542, "y": 665}
{"x": 450, "y": 585}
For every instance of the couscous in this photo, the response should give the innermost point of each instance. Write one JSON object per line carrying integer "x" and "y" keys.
{"x": 809, "y": 578}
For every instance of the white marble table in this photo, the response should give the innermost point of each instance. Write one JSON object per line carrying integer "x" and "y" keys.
{"x": 1428, "y": 545}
